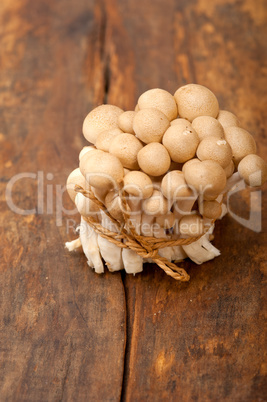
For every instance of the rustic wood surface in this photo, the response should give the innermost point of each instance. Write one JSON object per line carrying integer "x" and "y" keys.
{"x": 67, "y": 333}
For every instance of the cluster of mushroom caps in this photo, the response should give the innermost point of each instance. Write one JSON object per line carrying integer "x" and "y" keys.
{"x": 175, "y": 156}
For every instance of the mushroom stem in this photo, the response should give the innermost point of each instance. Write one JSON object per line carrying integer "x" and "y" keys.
{"x": 90, "y": 247}
{"x": 159, "y": 232}
{"x": 110, "y": 252}
{"x": 74, "y": 244}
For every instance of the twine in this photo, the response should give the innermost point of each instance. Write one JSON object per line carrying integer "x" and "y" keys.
{"x": 145, "y": 246}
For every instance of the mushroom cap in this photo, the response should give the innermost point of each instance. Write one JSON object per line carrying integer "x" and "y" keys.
{"x": 166, "y": 221}
{"x": 227, "y": 119}
{"x": 191, "y": 225}
{"x": 159, "y": 99}
{"x": 253, "y": 169}
{"x": 154, "y": 159}
{"x": 138, "y": 184}
{"x": 150, "y": 124}
{"x": 103, "y": 117}
{"x": 85, "y": 206}
{"x": 241, "y": 142}
{"x": 181, "y": 141}
{"x": 173, "y": 185}
{"x": 216, "y": 149}
{"x": 229, "y": 170}
{"x": 114, "y": 205}
{"x": 207, "y": 177}
{"x": 102, "y": 170}
{"x": 75, "y": 177}
{"x": 125, "y": 121}
{"x": 211, "y": 209}
{"x": 207, "y": 126}
{"x": 126, "y": 147}
{"x": 85, "y": 157}
{"x": 89, "y": 148}
{"x": 188, "y": 163}
{"x": 156, "y": 205}
{"x": 195, "y": 100}
{"x": 105, "y": 138}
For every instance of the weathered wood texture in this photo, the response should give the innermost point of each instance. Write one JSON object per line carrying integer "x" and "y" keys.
{"x": 63, "y": 328}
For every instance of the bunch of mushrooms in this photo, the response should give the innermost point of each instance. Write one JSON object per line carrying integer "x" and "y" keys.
{"x": 174, "y": 158}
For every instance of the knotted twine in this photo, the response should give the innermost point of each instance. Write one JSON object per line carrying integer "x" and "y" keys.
{"x": 144, "y": 246}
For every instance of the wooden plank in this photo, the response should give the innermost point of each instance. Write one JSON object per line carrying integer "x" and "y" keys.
{"x": 62, "y": 326}
{"x": 203, "y": 340}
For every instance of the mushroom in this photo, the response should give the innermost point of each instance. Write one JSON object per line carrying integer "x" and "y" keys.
{"x": 104, "y": 117}
{"x": 74, "y": 244}
{"x": 216, "y": 149}
{"x": 241, "y": 142}
{"x": 150, "y": 124}
{"x": 154, "y": 159}
{"x": 114, "y": 205}
{"x": 202, "y": 250}
{"x": 138, "y": 184}
{"x": 102, "y": 170}
{"x": 173, "y": 186}
{"x": 125, "y": 121}
{"x": 86, "y": 207}
{"x": 126, "y": 147}
{"x": 207, "y": 126}
{"x": 75, "y": 177}
{"x": 207, "y": 177}
{"x": 227, "y": 119}
{"x": 111, "y": 253}
{"x": 191, "y": 226}
{"x": 195, "y": 100}
{"x": 89, "y": 148}
{"x": 166, "y": 221}
{"x": 229, "y": 170}
{"x": 105, "y": 138}
{"x": 156, "y": 205}
{"x": 210, "y": 209}
{"x": 90, "y": 247}
{"x": 253, "y": 169}
{"x": 161, "y": 100}
{"x": 181, "y": 141}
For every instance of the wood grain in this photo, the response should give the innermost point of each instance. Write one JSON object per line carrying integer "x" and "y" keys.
{"x": 63, "y": 328}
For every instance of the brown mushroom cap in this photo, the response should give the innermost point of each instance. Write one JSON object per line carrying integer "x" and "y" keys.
{"x": 154, "y": 159}
{"x": 229, "y": 170}
{"x": 161, "y": 100}
{"x": 75, "y": 177}
{"x": 241, "y": 142}
{"x": 195, "y": 100}
{"x": 125, "y": 121}
{"x": 126, "y": 147}
{"x": 211, "y": 209}
{"x": 181, "y": 141}
{"x": 191, "y": 225}
{"x": 104, "y": 117}
{"x": 166, "y": 221}
{"x": 84, "y": 150}
{"x": 156, "y": 205}
{"x": 207, "y": 177}
{"x": 138, "y": 184}
{"x": 150, "y": 124}
{"x": 227, "y": 119}
{"x": 207, "y": 126}
{"x": 216, "y": 149}
{"x": 173, "y": 186}
{"x": 102, "y": 170}
{"x": 114, "y": 205}
{"x": 105, "y": 138}
{"x": 253, "y": 169}
{"x": 188, "y": 163}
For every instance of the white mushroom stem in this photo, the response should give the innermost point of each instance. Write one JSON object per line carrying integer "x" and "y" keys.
{"x": 110, "y": 252}
{"x": 182, "y": 207}
{"x": 90, "y": 247}
{"x": 74, "y": 244}
{"x": 135, "y": 214}
{"x": 202, "y": 250}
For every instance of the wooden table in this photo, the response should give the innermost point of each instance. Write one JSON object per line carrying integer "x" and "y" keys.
{"x": 67, "y": 333}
